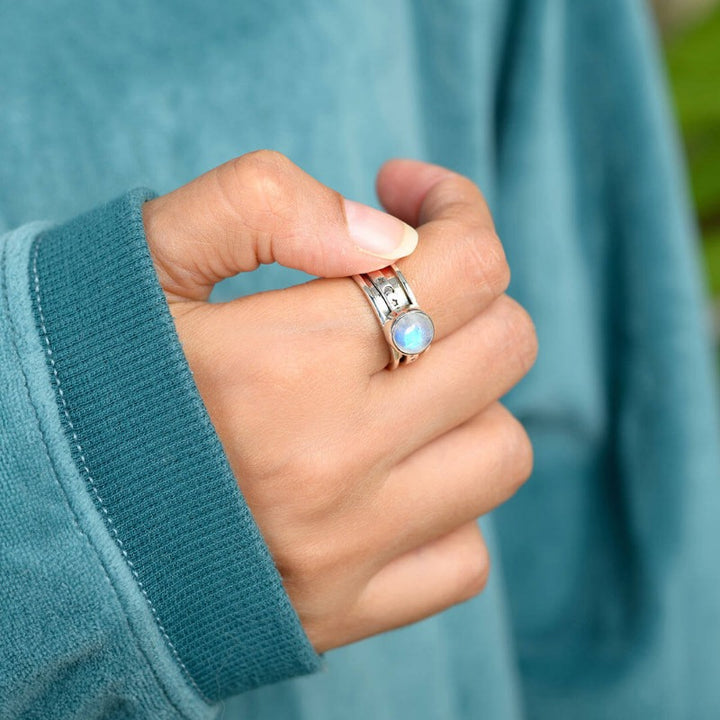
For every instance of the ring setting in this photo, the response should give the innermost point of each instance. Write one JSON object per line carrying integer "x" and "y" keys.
{"x": 408, "y": 330}
{"x": 412, "y": 332}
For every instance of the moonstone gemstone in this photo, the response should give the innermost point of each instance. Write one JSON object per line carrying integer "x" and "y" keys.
{"x": 412, "y": 332}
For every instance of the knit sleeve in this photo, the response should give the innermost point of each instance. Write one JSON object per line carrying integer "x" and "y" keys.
{"x": 132, "y": 574}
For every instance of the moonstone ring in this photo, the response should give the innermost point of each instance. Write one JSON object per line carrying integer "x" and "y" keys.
{"x": 408, "y": 330}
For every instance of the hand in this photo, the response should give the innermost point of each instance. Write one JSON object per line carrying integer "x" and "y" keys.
{"x": 365, "y": 483}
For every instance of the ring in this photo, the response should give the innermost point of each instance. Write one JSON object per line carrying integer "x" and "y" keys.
{"x": 407, "y": 329}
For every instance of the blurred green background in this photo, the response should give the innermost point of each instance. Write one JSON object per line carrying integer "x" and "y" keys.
{"x": 692, "y": 44}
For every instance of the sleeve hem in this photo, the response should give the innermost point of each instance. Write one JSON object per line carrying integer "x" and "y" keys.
{"x": 152, "y": 462}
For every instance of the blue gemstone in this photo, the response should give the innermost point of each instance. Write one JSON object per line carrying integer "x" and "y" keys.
{"x": 412, "y": 332}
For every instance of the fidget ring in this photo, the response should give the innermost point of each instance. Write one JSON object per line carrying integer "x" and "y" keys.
{"x": 407, "y": 329}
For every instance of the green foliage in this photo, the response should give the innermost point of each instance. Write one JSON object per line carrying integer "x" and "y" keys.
{"x": 694, "y": 65}
{"x": 711, "y": 243}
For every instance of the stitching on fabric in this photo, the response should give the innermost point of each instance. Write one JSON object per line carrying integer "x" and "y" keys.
{"x": 76, "y": 522}
{"x": 91, "y": 481}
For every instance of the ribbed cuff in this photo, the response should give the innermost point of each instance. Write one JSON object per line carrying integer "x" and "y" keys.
{"x": 151, "y": 458}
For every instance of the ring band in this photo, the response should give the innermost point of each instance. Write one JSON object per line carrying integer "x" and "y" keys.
{"x": 407, "y": 329}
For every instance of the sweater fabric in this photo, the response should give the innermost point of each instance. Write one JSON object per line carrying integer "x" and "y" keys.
{"x": 177, "y": 516}
{"x": 133, "y": 580}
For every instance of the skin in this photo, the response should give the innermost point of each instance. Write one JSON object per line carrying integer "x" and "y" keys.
{"x": 365, "y": 483}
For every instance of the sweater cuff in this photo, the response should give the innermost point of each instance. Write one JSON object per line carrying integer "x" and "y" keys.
{"x": 151, "y": 459}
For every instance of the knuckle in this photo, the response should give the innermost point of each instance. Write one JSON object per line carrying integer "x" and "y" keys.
{"x": 264, "y": 174}
{"x": 520, "y": 452}
{"x": 473, "y": 570}
{"x": 484, "y": 261}
{"x": 336, "y": 205}
{"x": 443, "y": 198}
{"x": 264, "y": 162}
{"x": 522, "y": 336}
{"x": 449, "y": 197}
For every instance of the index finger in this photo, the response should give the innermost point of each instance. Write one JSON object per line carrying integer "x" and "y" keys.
{"x": 416, "y": 191}
{"x": 458, "y": 268}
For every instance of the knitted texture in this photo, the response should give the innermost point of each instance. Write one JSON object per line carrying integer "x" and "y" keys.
{"x": 153, "y": 464}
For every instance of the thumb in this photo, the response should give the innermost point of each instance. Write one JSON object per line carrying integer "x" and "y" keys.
{"x": 262, "y": 208}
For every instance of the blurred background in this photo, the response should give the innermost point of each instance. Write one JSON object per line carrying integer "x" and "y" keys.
{"x": 691, "y": 37}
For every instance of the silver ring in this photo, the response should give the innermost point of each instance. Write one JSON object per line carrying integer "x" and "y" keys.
{"x": 407, "y": 329}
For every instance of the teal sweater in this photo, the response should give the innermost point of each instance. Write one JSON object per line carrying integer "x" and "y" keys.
{"x": 133, "y": 580}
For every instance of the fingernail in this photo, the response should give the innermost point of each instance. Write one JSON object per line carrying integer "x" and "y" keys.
{"x": 377, "y": 233}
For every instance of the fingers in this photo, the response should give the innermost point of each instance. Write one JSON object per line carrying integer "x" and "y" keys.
{"x": 432, "y": 553}
{"x": 402, "y": 186}
{"x": 454, "y": 380}
{"x": 261, "y": 208}
{"x": 458, "y": 477}
{"x": 420, "y": 583}
{"x": 458, "y": 269}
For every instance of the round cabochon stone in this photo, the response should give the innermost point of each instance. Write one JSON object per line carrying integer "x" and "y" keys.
{"x": 412, "y": 332}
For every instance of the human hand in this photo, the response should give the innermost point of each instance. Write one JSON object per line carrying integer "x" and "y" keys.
{"x": 365, "y": 483}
